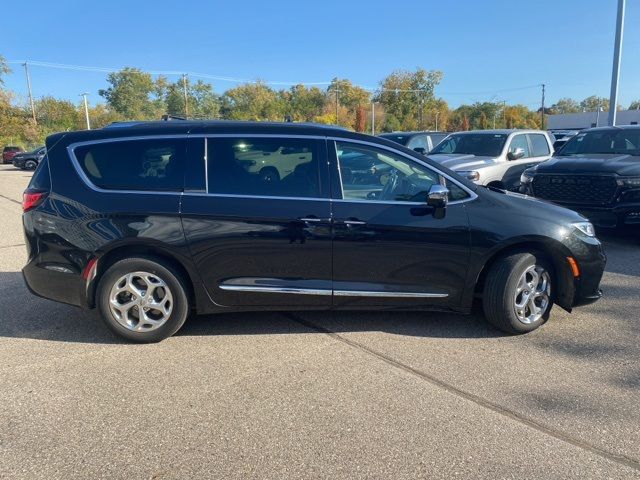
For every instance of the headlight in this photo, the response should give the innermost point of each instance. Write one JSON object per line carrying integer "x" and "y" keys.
{"x": 469, "y": 174}
{"x": 629, "y": 182}
{"x": 526, "y": 177}
{"x": 586, "y": 228}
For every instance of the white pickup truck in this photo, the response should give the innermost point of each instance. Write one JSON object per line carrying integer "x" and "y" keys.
{"x": 495, "y": 158}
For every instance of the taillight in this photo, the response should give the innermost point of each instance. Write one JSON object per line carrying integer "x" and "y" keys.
{"x": 32, "y": 200}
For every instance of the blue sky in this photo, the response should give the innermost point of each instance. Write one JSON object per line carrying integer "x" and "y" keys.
{"x": 488, "y": 50}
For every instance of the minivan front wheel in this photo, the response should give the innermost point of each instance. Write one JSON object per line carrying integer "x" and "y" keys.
{"x": 142, "y": 300}
{"x": 517, "y": 292}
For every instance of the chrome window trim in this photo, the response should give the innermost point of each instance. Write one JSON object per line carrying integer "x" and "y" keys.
{"x": 472, "y": 195}
{"x": 325, "y": 292}
{"x": 76, "y": 164}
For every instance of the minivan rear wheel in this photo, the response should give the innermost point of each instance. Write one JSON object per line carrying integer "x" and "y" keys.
{"x": 517, "y": 292}
{"x": 142, "y": 300}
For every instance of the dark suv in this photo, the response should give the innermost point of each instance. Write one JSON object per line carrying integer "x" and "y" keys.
{"x": 150, "y": 221}
{"x": 597, "y": 172}
{"x": 421, "y": 142}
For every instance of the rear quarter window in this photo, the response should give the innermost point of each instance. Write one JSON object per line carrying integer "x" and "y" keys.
{"x": 147, "y": 165}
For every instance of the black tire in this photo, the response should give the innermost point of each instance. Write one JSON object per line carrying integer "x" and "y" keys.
{"x": 174, "y": 282}
{"x": 269, "y": 174}
{"x": 500, "y": 291}
{"x": 30, "y": 165}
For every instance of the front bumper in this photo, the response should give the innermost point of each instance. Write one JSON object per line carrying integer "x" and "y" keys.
{"x": 591, "y": 260}
{"x": 610, "y": 216}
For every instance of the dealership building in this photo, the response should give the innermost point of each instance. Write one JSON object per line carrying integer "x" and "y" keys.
{"x": 578, "y": 121}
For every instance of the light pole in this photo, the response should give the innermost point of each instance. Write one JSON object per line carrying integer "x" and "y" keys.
{"x": 437, "y": 113}
{"x": 86, "y": 109}
{"x": 613, "y": 98}
{"x": 33, "y": 108}
{"x": 186, "y": 98}
{"x": 373, "y": 117}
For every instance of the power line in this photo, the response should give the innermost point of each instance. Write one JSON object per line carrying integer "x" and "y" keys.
{"x": 87, "y": 68}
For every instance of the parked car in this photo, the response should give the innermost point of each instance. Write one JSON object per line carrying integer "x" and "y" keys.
{"x": 109, "y": 225}
{"x": 597, "y": 173}
{"x": 495, "y": 158}
{"x": 29, "y": 160}
{"x": 421, "y": 142}
{"x": 560, "y": 137}
{"x": 8, "y": 153}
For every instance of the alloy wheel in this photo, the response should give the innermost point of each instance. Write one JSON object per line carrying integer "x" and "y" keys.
{"x": 140, "y": 301}
{"x": 532, "y": 295}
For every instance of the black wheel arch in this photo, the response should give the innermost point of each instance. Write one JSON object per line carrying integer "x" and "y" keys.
{"x": 555, "y": 252}
{"x": 162, "y": 254}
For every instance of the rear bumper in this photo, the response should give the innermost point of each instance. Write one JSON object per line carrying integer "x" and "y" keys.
{"x": 44, "y": 282}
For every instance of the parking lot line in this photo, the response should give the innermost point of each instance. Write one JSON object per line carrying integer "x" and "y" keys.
{"x": 513, "y": 415}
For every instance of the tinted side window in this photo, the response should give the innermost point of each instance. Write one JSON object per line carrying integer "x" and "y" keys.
{"x": 391, "y": 178}
{"x": 41, "y": 179}
{"x": 154, "y": 164}
{"x": 280, "y": 167}
{"x": 539, "y": 145}
{"x": 520, "y": 141}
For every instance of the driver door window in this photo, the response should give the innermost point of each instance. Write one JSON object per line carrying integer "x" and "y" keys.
{"x": 520, "y": 141}
{"x": 387, "y": 178}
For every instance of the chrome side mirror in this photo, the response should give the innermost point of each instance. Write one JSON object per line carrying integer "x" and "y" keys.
{"x": 516, "y": 154}
{"x": 437, "y": 196}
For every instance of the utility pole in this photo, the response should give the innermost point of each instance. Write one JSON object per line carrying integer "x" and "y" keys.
{"x": 186, "y": 98}
{"x": 373, "y": 117}
{"x": 613, "y": 98}
{"x": 542, "y": 109}
{"x": 86, "y": 109}
{"x": 598, "y": 114}
{"x": 437, "y": 113}
{"x": 33, "y": 108}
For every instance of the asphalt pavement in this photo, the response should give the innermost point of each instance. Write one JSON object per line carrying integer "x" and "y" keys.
{"x": 318, "y": 395}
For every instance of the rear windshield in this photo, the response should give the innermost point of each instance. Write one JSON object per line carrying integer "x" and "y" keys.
{"x": 480, "y": 144}
{"x": 603, "y": 142}
{"x": 153, "y": 164}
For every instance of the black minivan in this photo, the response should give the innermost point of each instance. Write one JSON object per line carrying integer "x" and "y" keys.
{"x": 153, "y": 220}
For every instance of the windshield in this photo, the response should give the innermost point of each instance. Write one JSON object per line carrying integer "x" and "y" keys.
{"x": 603, "y": 142}
{"x": 401, "y": 139}
{"x": 479, "y": 144}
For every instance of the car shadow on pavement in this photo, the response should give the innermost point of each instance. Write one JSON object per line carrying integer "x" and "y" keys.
{"x": 26, "y": 316}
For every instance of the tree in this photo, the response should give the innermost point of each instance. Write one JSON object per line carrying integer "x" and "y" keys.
{"x": 635, "y": 105}
{"x": 134, "y": 95}
{"x": 566, "y": 105}
{"x": 56, "y": 115}
{"x": 252, "y": 101}
{"x": 4, "y": 69}
{"x": 302, "y": 103}
{"x": 407, "y": 95}
{"x": 201, "y": 100}
{"x": 350, "y": 96}
{"x": 592, "y": 103}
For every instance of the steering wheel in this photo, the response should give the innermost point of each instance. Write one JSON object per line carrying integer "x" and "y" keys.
{"x": 391, "y": 185}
